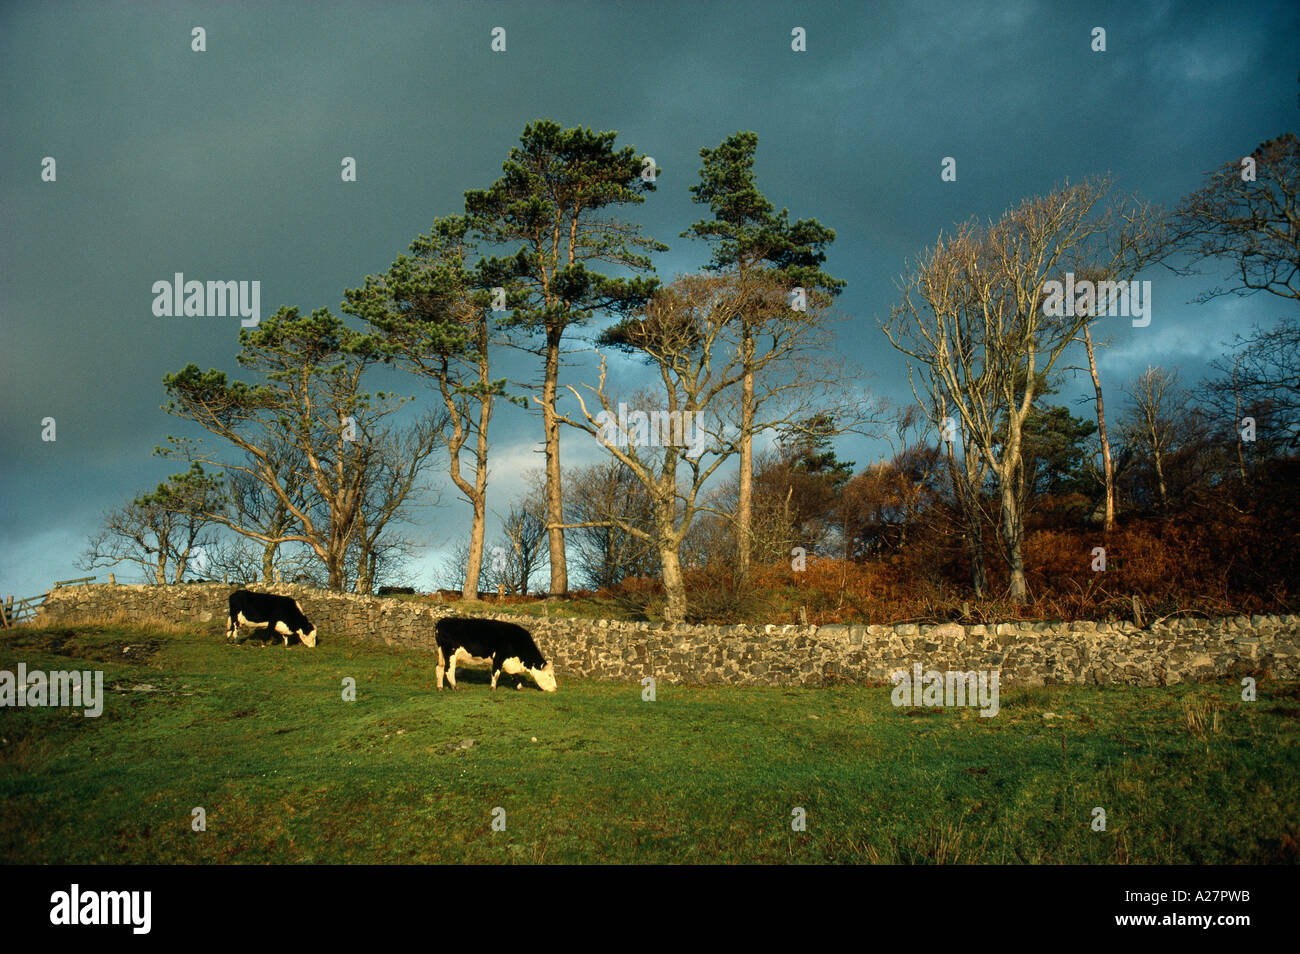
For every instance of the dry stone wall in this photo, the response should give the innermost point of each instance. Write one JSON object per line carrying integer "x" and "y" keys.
{"x": 1026, "y": 654}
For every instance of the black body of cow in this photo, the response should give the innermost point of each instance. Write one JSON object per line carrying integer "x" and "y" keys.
{"x": 279, "y": 615}
{"x": 506, "y": 647}
{"x": 396, "y": 591}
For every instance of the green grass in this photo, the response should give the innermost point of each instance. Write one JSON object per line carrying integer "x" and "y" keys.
{"x": 289, "y": 772}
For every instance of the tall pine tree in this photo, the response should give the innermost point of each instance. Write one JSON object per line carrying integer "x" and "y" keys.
{"x": 553, "y": 208}
{"x": 747, "y": 233}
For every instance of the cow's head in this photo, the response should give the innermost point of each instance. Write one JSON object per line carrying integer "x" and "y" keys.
{"x": 308, "y": 639}
{"x": 544, "y": 677}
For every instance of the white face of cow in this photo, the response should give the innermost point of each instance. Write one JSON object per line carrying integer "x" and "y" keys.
{"x": 308, "y": 639}
{"x": 544, "y": 677}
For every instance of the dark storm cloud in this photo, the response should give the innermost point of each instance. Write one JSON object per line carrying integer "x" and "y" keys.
{"x": 225, "y": 165}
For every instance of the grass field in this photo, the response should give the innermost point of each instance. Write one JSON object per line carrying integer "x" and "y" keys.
{"x": 287, "y": 771}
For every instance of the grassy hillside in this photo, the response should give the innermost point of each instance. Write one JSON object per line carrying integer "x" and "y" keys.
{"x": 289, "y": 772}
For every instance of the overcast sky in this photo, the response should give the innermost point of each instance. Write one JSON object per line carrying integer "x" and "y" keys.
{"x": 225, "y": 164}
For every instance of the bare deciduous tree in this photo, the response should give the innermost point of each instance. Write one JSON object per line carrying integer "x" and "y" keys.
{"x": 253, "y": 505}
{"x": 238, "y": 559}
{"x": 1249, "y": 212}
{"x": 392, "y": 462}
{"x": 1103, "y": 438}
{"x": 974, "y": 319}
{"x": 1156, "y": 398}
{"x": 1261, "y": 380}
{"x": 521, "y": 554}
{"x": 161, "y": 531}
{"x": 675, "y": 452}
{"x": 602, "y": 552}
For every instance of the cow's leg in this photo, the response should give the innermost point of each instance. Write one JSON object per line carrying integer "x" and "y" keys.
{"x": 232, "y": 628}
{"x": 451, "y": 670}
{"x": 499, "y": 665}
{"x": 442, "y": 668}
{"x": 238, "y": 622}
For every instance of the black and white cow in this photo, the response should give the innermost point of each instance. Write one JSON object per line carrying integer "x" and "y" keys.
{"x": 278, "y": 614}
{"x": 504, "y": 646}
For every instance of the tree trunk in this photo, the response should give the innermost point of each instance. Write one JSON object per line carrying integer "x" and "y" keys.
{"x": 365, "y": 572}
{"x": 745, "y": 492}
{"x": 674, "y": 584}
{"x": 478, "y": 498}
{"x": 365, "y": 556}
{"x": 268, "y": 562}
{"x": 1012, "y": 532}
{"x": 335, "y": 555}
{"x": 979, "y": 573}
{"x": 524, "y": 567}
{"x": 966, "y": 491}
{"x": 1236, "y": 400}
{"x": 1160, "y": 479}
{"x": 975, "y": 547}
{"x": 787, "y": 534}
{"x": 474, "y": 568}
{"x": 1012, "y": 515}
{"x": 554, "y": 500}
{"x": 478, "y": 528}
{"x": 1107, "y": 464}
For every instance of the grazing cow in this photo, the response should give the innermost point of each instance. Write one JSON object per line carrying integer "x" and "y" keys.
{"x": 504, "y": 646}
{"x": 276, "y": 614}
